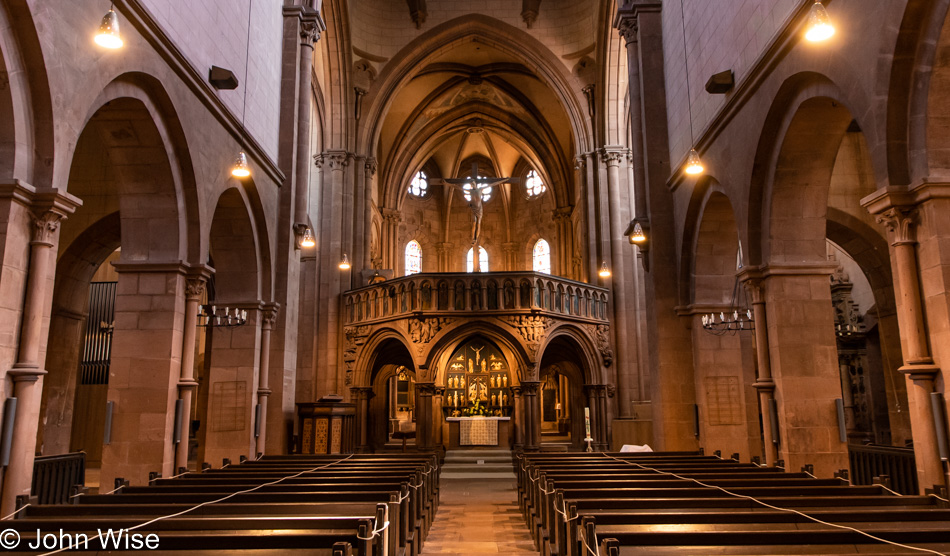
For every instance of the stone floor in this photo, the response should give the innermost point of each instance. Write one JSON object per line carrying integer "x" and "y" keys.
{"x": 478, "y": 512}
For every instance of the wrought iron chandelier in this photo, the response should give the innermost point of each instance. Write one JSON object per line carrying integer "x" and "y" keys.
{"x": 211, "y": 315}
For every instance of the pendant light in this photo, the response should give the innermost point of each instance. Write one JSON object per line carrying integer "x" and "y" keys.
{"x": 307, "y": 240}
{"x": 819, "y": 24}
{"x": 345, "y": 263}
{"x": 694, "y": 166}
{"x": 604, "y": 271}
{"x": 241, "y": 169}
{"x": 108, "y": 34}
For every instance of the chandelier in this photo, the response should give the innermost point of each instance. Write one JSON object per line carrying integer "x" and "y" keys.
{"x": 738, "y": 317}
{"x": 211, "y": 315}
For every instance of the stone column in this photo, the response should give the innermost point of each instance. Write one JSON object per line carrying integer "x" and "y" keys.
{"x": 194, "y": 290}
{"x": 532, "y": 415}
{"x": 670, "y": 361}
{"x": 437, "y": 416}
{"x": 622, "y": 366}
{"x": 361, "y": 396}
{"x": 597, "y": 404}
{"x": 517, "y": 418}
{"x": 310, "y": 28}
{"x": 49, "y": 210}
{"x": 764, "y": 384}
{"x": 389, "y": 242}
{"x": 369, "y": 185}
{"x": 269, "y": 317}
{"x": 424, "y": 391}
{"x": 918, "y": 366}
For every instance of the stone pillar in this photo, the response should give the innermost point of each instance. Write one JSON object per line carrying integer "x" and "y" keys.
{"x": 764, "y": 384}
{"x": 532, "y": 415}
{"x": 233, "y": 379}
{"x": 389, "y": 242}
{"x": 670, "y": 361}
{"x": 361, "y": 396}
{"x": 804, "y": 363}
{"x": 597, "y": 403}
{"x": 918, "y": 366}
{"x": 437, "y": 417}
{"x": 622, "y": 366}
{"x": 310, "y": 27}
{"x": 269, "y": 317}
{"x": 424, "y": 391}
{"x": 49, "y": 209}
{"x": 194, "y": 290}
{"x": 369, "y": 185}
{"x": 145, "y": 370}
{"x": 517, "y": 420}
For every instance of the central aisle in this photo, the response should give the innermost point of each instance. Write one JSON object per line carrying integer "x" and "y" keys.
{"x": 478, "y": 507}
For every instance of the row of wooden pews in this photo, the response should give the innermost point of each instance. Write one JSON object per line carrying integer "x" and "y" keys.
{"x": 666, "y": 503}
{"x": 366, "y": 505}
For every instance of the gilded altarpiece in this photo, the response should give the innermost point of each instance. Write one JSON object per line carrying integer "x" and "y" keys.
{"x": 477, "y": 382}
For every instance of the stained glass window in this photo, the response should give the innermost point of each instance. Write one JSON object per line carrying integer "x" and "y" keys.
{"x": 419, "y": 186}
{"x": 534, "y": 185}
{"x": 413, "y": 258}
{"x": 542, "y": 257}
{"x": 482, "y": 260}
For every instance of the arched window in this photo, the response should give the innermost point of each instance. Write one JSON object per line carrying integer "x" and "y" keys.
{"x": 419, "y": 186}
{"x": 542, "y": 257}
{"x": 413, "y": 258}
{"x": 482, "y": 260}
{"x": 533, "y": 184}
{"x": 486, "y": 192}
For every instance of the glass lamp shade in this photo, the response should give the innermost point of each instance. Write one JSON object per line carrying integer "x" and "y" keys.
{"x": 819, "y": 24}
{"x": 694, "y": 165}
{"x": 604, "y": 271}
{"x": 637, "y": 236}
{"x": 240, "y": 168}
{"x": 108, "y": 34}
{"x": 307, "y": 240}
{"x": 345, "y": 263}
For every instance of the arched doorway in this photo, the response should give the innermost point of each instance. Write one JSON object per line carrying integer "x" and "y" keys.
{"x": 566, "y": 391}
{"x": 392, "y": 406}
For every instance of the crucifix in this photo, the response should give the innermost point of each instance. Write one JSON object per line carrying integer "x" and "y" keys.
{"x": 478, "y": 188}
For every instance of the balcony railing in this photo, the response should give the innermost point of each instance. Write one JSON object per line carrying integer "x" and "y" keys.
{"x": 488, "y": 294}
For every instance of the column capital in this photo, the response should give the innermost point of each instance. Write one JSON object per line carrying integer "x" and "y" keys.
{"x": 310, "y": 28}
{"x": 530, "y": 388}
{"x": 370, "y": 165}
{"x": 627, "y": 20}
{"x": 595, "y": 389}
{"x": 425, "y": 388}
{"x": 901, "y": 225}
{"x": 318, "y": 160}
{"x": 755, "y": 287}
{"x": 269, "y": 317}
{"x": 337, "y": 160}
{"x": 612, "y": 155}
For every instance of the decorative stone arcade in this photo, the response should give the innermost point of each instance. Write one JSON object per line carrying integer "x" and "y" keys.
{"x": 517, "y": 315}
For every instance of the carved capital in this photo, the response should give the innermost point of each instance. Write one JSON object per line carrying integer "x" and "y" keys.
{"x": 901, "y": 225}
{"x": 370, "y": 166}
{"x": 391, "y": 216}
{"x": 309, "y": 33}
{"x": 269, "y": 316}
{"x": 611, "y": 157}
{"x": 629, "y": 29}
{"x": 318, "y": 160}
{"x": 195, "y": 287}
{"x": 337, "y": 160}
{"x": 579, "y": 162}
{"x": 45, "y": 227}
{"x": 755, "y": 287}
{"x": 563, "y": 214}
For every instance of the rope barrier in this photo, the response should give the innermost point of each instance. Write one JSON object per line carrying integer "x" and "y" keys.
{"x": 16, "y": 512}
{"x": 208, "y": 503}
{"x": 777, "y": 508}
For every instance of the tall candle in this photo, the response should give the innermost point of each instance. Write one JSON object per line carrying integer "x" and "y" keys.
{"x": 587, "y": 420}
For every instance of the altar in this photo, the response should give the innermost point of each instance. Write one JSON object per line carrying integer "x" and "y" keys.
{"x": 478, "y": 431}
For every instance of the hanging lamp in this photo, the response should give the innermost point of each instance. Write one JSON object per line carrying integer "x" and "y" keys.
{"x": 694, "y": 166}
{"x": 307, "y": 240}
{"x": 241, "y": 168}
{"x": 108, "y": 34}
{"x": 345, "y": 263}
{"x": 819, "y": 24}
{"x": 604, "y": 271}
{"x": 637, "y": 236}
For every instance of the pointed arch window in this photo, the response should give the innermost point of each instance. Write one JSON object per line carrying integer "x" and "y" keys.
{"x": 533, "y": 184}
{"x": 419, "y": 186}
{"x": 541, "y": 255}
{"x": 482, "y": 260}
{"x": 413, "y": 258}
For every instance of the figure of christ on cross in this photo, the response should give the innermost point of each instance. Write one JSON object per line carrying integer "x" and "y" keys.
{"x": 478, "y": 188}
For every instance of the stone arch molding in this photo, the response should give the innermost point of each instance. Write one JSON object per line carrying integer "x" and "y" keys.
{"x": 148, "y": 92}
{"x": 489, "y": 31}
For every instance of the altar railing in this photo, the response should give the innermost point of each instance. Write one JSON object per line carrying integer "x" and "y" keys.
{"x": 486, "y": 293}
